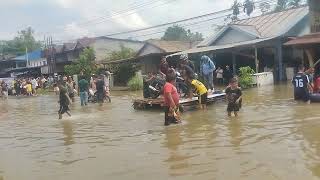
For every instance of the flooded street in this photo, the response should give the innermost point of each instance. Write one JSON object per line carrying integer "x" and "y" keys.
{"x": 274, "y": 138}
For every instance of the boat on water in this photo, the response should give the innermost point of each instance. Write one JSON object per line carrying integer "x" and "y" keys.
{"x": 146, "y": 103}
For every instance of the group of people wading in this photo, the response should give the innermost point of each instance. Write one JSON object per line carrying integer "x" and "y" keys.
{"x": 186, "y": 70}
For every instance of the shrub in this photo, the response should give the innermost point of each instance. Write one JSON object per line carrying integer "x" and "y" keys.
{"x": 245, "y": 77}
{"x": 136, "y": 83}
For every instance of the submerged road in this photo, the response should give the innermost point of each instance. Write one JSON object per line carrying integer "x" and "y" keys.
{"x": 274, "y": 138}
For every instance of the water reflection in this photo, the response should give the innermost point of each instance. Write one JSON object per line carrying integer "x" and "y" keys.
{"x": 235, "y": 130}
{"x": 68, "y": 132}
{"x": 173, "y": 141}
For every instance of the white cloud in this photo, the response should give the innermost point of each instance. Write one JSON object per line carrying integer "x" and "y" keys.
{"x": 73, "y": 31}
{"x": 133, "y": 21}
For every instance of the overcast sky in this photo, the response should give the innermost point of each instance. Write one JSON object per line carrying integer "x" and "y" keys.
{"x": 70, "y": 19}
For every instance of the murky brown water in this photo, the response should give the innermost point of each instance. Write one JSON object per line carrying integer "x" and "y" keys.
{"x": 274, "y": 138}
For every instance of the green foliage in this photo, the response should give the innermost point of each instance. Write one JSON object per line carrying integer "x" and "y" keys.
{"x": 84, "y": 64}
{"x": 245, "y": 77}
{"x": 123, "y": 72}
{"x": 178, "y": 33}
{"x": 136, "y": 83}
{"x": 124, "y": 53}
{"x": 265, "y": 7}
{"x": 286, "y": 4}
{"x": 17, "y": 46}
{"x": 248, "y": 7}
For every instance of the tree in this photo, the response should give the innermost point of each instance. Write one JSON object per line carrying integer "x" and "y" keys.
{"x": 294, "y": 3}
{"x": 248, "y": 7}
{"x": 24, "y": 39}
{"x": 124, "y": 53}
{"x": 235, "y": 10}
{"x": 178, "y": 33}
{"x": 123, "y": 72}
{"x": 85, "y": 64}
{"x": 281, "y": 5}
{"x": 265, "y": 7}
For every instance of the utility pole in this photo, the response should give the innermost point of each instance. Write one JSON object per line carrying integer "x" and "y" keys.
{"x": 27, "y": 57}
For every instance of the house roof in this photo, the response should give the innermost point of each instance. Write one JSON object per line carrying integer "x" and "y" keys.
{"x": 265, "y": 26}
{"x": 85, "y": 42}
{"x": 222, "y": 47}
{"x": 32, "y": 56}
{"x": 170, "y": 46}
{"x": 276, "y": 24}
{"x": 69, "y": 46}
{"x": 305, "y": 40}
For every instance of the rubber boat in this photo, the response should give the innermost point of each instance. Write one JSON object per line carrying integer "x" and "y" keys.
{"x": 315, "y": 97}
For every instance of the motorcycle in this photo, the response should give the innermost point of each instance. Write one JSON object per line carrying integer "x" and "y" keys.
{"x": 154, "y": 87}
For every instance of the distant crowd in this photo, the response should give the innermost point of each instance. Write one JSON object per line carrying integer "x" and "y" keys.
{"x": 24, "y": 86}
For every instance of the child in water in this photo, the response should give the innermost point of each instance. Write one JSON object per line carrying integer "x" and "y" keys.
{"x": 201, "y": 90}
{"x": 171, "y": 100}
{"x": 64, "y": 100}
{"x": 234, "y": 97}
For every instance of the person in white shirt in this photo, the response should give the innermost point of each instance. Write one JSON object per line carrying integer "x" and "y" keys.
{"x": 219, "y": 76}
{"x": 34, "y": 84}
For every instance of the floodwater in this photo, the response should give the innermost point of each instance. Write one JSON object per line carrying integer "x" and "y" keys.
{"x": 274, "y": 138}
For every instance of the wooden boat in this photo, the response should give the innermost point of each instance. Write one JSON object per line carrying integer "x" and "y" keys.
{"x": 185, "y": 102}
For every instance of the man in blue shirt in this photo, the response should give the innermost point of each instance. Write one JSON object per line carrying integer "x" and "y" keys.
{"x": 206, "y": 69}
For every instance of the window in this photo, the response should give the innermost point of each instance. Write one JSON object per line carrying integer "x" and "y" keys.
{"x": 44, "y": 63}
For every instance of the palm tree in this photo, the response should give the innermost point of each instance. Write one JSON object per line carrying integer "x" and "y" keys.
{"x": 248, "y": 7}
{"x": 264, "y": 7}
{"x": 235, "y": 10}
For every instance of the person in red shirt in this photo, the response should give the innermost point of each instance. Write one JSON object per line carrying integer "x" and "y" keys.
{"x": 171, "y": 99}
{"x": 316, "y": 87}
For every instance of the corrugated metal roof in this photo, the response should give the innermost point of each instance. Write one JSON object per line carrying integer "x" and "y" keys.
{"x": 69, "y": 46}
{"x": 304, "y": 40}
{"x": 213, "y": 37}
{"x": 265, "y": 26}
{"x": 220, "y": 47}
{"x": 276, "y": 24}
{"x": 171, "y": 46}
{"x": 249, "y": 29}
{"x": 32, "y": 56}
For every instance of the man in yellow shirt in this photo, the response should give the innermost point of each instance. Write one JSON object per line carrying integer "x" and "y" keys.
{"x": 201, "y": 91}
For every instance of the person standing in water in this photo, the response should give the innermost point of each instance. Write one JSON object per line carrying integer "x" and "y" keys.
{"x": 100, "y": 90}
{"x": 301, "y": 84}
{"x": 64, "y": 100}
{"x": 234, "y": 97}
{"x": 83, "y": 88}
{"x": 171, "y": 100}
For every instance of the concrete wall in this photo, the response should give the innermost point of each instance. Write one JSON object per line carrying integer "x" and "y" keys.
{"x": 103, "y": 47}
{"x": 232, "y": 36}
{"x": 263, "y": 79}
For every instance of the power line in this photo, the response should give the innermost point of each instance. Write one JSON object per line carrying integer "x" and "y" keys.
{"x": 117, "y": 13}
{"x": 191, "y": 24}
{"x": 179, "y": 21}
{"x": 184, "y": 20}
{"x": 126, "y": 12}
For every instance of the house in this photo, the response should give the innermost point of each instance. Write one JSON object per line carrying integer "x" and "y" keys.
{"x": 33, "y": 63}
{"x": 258, "y": 42}
{"x": 149, "y": 56}
{"x": 69, "y": 52}
{"x": 310, "y": 44}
